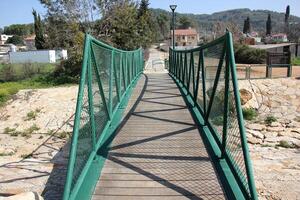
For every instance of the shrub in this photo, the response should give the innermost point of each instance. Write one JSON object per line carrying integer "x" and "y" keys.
{"x": 296, "y": 61}
{"x": 285, "y": 144}
{"x": 247, "y": 55}
{"x": 32, "y": 114}
{"x": 270, "y": 119}
{"x": 218, "y": 121}
{"x": 249, "y": 113}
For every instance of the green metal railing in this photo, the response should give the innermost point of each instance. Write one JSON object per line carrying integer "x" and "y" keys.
{"x": 208, "y": 75}
{"x": 107, "y": 77}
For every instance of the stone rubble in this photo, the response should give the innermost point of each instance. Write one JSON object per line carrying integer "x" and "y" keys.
{"x": 274, "y": 147}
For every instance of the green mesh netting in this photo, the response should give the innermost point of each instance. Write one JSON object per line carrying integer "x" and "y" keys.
{"x": 209, "y": 64}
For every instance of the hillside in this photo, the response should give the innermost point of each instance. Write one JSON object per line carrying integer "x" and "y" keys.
{"x": 258, "y": 18}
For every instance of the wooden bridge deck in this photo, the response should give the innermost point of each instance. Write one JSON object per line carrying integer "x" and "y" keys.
{"x": 158, "y": 152}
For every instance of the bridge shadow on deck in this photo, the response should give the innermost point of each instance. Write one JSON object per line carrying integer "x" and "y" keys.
{"x": 157, "y": 151}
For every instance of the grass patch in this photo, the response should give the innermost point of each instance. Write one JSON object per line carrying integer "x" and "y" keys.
{"x": 285, "y": 144}
{"x": 24, "y": 156}
{"x": 28, "y": 132}
{"x": 32, "y": 114}
{"x": 270, "y": 119}
{"x": 249, "y": 114}
{"x": 11, "y": 131}
{"x": 6, "y": 154}
{"x": 63, "y": 135}
{"x": 218, "y": 121}
{"x": 21, "y": 71}
{"x": 296, "y": 61}
{"x": 8, "y": 89}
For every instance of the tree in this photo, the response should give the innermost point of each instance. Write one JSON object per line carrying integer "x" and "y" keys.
{"x": 269, "y": 25}
{"x": 19, "y": 29}
{"x": 146, "y": 26}
{"x": 185, "y": 22}
{"x": 286, "y": 20}
{"x": 16, "y": 40}
{"x": 287, "y": 14}
{"x": 247, "y": 28}
{"x": 40, "y": 42}
{"x": 164, "y": 25}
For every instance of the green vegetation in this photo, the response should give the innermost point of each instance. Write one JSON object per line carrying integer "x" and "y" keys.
{"x": 9, "y": 131}
{"x": 249, "y": 113}
{"x": 24, "y": 156}
{"x": 270, "y": 119}
{"x": 247, "y": 55}
{"x": 63, "y": 135}
{"x": 19, "y": 29}
{"x": 247, "y": 26}
{"x": 285, "y": 144}
{"x": 296, "y": 61}
{"x": 16, "y": 40}
{"x": 7, "y": 154}
{"x": 218, "y": 121}
{"x": 16, "y": 72}
{"x": 32, "y": 114}
{"x": 40, "y": 42}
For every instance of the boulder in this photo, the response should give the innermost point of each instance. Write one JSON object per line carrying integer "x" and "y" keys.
{"x": 257, "y": 127}
{"x": 245, "y": 96}
{"x": 256, "y": 134}
{"x": 254, "y": 140}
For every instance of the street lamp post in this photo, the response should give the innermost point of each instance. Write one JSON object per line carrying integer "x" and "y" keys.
{"x": 173, "y": 7}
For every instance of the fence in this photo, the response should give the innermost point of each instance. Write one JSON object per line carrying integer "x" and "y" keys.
{"x": 208, "y": 74}
{"x": 107, "y": 76}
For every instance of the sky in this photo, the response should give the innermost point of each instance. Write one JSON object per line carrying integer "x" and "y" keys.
{"x": 19, "y": 11}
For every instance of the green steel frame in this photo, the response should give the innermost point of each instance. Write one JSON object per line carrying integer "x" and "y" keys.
{"x": 107, "y": 79}
{"x": 227, "y": 143}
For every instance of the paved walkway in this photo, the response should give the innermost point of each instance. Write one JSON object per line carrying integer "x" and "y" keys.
{"x": 158, "y": 152}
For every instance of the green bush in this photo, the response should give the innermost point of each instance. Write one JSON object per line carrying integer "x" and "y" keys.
{"x": 296, "y": 61}
{"x": 270, "y": 119}
{"x": 249, "y": 113}
{"x": 285, "y": 144}
{"x": 22, "y": 71}
{"x": 247, "y": 55}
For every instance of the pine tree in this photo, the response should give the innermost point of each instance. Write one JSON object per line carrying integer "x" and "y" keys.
{"x": 269, "y": 25}
{"x": 40, "y": 42}
{"x": 143, "y": 8}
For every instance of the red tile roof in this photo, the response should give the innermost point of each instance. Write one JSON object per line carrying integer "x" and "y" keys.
{"x": 185, "y": 32}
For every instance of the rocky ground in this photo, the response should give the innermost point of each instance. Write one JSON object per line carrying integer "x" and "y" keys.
{"x": 35, "y": 125}
{"x": 34, "y": 130}
{"x": 274, "y": 135}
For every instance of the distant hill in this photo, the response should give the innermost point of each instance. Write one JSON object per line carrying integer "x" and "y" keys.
{"x": 258, "y": 18}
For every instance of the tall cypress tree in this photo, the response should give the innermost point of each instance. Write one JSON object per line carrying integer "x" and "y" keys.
{"x": 247, "y": 26}
{"x": 269, "y": 25}
{"x": 287, "y": 14}
{"x": 286, "y": 20}
{"x": 40, "y": 42}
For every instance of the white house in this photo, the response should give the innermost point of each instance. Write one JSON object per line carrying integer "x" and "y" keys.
{"x": 4, "y": 38}
{"x": 41, "y": 56}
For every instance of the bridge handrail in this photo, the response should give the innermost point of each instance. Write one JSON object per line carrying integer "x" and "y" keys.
{"x": 107, "y": 76}
{"x": 215, "y": 94}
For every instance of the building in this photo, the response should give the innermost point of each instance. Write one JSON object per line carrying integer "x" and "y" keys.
{"x": 4, "y": 38}
{"x": 30, "y": 42}
{"x": 280, "y": 37}
{"x": 186, "y": 37}
{"x": 42, "y": 56}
